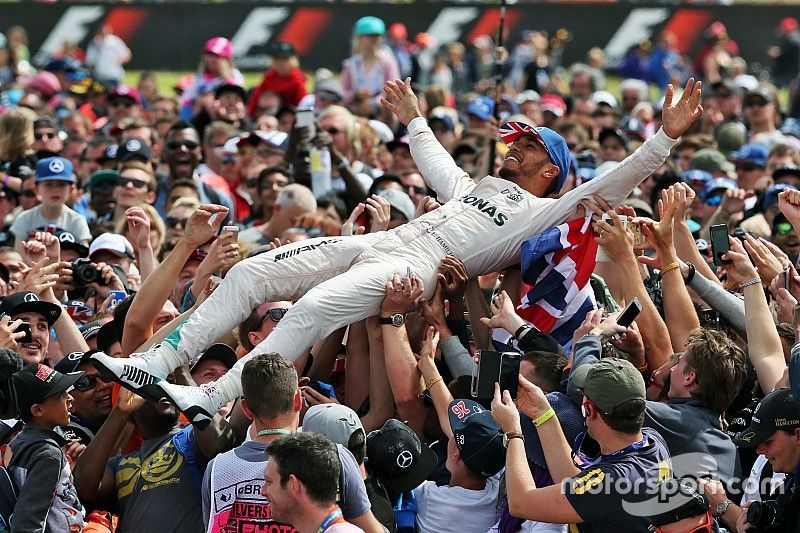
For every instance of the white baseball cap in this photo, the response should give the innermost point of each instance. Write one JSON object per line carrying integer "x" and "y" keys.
{"x": 113, "y": 243}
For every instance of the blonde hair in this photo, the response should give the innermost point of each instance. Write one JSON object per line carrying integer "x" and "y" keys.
{"x": 16, "y": 133}
{"x": 144, "y": 167}
{"x": 156, "y": 224}
{"x": 353, "y": 137}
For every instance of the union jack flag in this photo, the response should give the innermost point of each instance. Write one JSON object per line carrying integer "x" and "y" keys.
{"x": 511, "y": 131}
{"x": 556, "y": 266}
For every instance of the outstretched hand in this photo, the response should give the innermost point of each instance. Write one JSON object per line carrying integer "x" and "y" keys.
{"x": 401, "y": 100}
{"x": 678, "y": 116}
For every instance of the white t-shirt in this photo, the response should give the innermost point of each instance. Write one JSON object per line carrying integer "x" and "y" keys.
{"x": 751, "y": 492}
{"x": 532, "y": 526}
{"x": 439, "y": 508}
{"x": 105, "y": 57}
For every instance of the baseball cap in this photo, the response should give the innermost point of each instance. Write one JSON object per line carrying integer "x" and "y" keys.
{"x": 54, "y": 169}
{"x": 90, "y": 330}
{"x": 604, "y": 97}
{"x": 66, "y": 239}
{"x": 335, "y": 421}
{"x": 728, "y": 84}
{"x": 444, "y": 118}
{"x": 329, "y": 86}
{"x": 398, "y": 142}
{"x": 29, "y": 302}
{"x": 777, "y": 410}
{"x": 219, "y": 46}
{"x": 111, "y": 242}
{"x": 218, "y": 352}
{"x": 758, "y": 92}
{"x": 553, "y": 103}
{"x": 369, "y": 26}
{"x": 482, "y": 107}
{"x": 282, "y": 49}
{"x": 771, "y": 195}
{"x": 552, "y": 142}
{"x": 134, "y": 148}
{"x": 528, "y": 96}
{"x": 225, "y": 88}
{"x": 787, "y": 25}
{"x": 276, "y": 139}
{"x": 711, "y": 160}
{"x": 789, "y": 170}
{"x": 717, "y": 184}
{"x": 111, "y": 153}
{"x": 72, "y": 361}
{"x": 696, "y": 177}
{"x": 103, "y": 176}
{"x": 791, "y": 127}
{"x": 730, "y": 136}
{"x": 400, "y": 201}
{"x": 36, "y": 382}
{"x": 609, "y": 383}
{"x": 125, "y": 91}
{"x": 398, "y": 458}
{"x": 751, "y": 153}
{"x": 79, "y": 311}
{"x": 478, "y": 437}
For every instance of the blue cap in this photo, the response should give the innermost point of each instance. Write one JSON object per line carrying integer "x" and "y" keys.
{"x": 791, "y": 127}
{"x": 696, "y": 176}
{"x": 771, "y": 196}
{"x": 445, "y": 119}
{"x": 482, "y": 107}
{"x": 751, "y": 153}
{"x": 554, "y": 143}
{"x": 54, "y": 169}
{"x": 717, "y": 184}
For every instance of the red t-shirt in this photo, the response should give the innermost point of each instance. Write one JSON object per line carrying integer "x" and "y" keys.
{"x": 290, "y": 87}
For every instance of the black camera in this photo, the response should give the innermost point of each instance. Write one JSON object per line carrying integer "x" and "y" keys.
{"x": 84, "y": 273}
{"x": 765, "y": 516}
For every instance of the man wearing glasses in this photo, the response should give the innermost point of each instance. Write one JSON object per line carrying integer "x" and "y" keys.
{"x": 91, "y": 397}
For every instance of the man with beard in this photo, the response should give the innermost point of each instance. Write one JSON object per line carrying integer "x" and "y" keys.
{"x": 41, "y": 316}
{"x": 157, "y": 486}
{"x": 91, "y": 398}
{"x": 337, "y": 281}
{"x": 183, "y": 155}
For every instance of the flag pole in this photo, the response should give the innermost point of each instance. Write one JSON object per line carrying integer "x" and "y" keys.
{"x": 499, "y": 57}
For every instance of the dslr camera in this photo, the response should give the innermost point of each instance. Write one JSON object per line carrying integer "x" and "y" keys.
{"x": 84, "y": 273}
{"x": 766, "y": 515}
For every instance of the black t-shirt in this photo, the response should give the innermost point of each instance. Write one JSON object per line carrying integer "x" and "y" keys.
{"x": 603, "y": 493}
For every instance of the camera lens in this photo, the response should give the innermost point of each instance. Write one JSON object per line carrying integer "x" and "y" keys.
{"x": 762, "y": 514}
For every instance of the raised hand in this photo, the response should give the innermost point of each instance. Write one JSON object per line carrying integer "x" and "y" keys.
{"x": 503, "y": 314}
{"x": 401, "y": 294}
{"x": 789, "y": 203}
{"x": 684, "y": 197}
{"x": 349, "y": 226}
{"x": 380, "y": 212}
{"x": 138, "y": 227}
{"x": 741, "y": 269}
{"x": 200, "y": 228}
{"x": 401, "y": 100}
{"x": 678, "y": 116}
{"x": 767, "y": 264}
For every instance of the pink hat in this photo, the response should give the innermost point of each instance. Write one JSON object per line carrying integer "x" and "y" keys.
{"x": 219, "y": 46}
{"x": 787, "y": 25}
{"x": 553, "y": 103}
{"x": 45, "y": 83}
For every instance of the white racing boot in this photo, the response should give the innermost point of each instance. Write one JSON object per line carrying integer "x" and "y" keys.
{"x": 141, "y": 370}
{"x": 199, "y": 404}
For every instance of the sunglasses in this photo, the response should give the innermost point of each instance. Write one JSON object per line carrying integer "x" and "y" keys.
{"x": 783, "y": 228}
{"x": 714, "y": 201}
{"x": 87, "y": 383}
{"x": 137, "y": 184}
{"x": 333, "y": 131}
{"x": 177, "y": 145}
{"x": 44, "y": 135}
{"x": 273, "y": 314}
{"x": 121, "y": 103}
{"x": 757, "y": 102}
{"x": 418, "y": 190}
{"x": 747, "y": 167}
{"x": 174, "y": 222}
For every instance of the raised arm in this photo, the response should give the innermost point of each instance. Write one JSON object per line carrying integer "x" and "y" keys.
{"x": 434, "y": 162}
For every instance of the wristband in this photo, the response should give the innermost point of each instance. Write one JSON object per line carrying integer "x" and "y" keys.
{"x": 544, "y": 417}
{"x": 671, "y": 266}
{"x": 692, "y": 271}
{"x": 433, "y": 382}
{"x": 521, "y": 329}
{"x": 6, "y": 179}
{"x": 751, "y": 281}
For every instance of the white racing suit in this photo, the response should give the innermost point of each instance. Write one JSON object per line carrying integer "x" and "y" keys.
{"x": 340, "y": 280}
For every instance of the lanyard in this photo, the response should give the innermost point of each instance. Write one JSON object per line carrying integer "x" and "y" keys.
{"x": 269, "y": 432}
{"x": 604, "y": 458}
{"x": 334, "y": 518}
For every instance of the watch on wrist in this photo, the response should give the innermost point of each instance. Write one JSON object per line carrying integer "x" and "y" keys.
{"x": 396, "y": 320}
{"x": 722, "y": 508}
{"x": 512, "y": 435}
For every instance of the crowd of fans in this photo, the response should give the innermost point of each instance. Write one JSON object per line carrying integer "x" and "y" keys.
{"x": 123, "y": 209}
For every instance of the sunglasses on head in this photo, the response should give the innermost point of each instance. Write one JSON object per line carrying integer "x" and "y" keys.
{"x": 174, "y": 222}
{"x": 87, "y": 383}
{"x": 137, "y": 184}
{"x": 39, "y": 135}
{"x": 177, "y": 145}
{"x": 273, "y": 314}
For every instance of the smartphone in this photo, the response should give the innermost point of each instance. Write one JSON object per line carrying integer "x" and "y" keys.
{"x": 231, "y": 229}
{"x": 486, "y": 373}
{"x": 323, "y": 388}
{"x": 623, "y": 218}
{"x": 740, "y": 234}
{"x": 118, "y": 297}
{"x": 720, "y": 243}
{"x": 509, "y": 372}
{"x": 630, "y": 313}
{"x": 304, "y": 117}
{"x": 787, "y": 279}
{"x": 26, "y": 327}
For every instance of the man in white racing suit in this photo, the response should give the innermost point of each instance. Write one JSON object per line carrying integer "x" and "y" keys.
{"x": 340, "y": 280}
